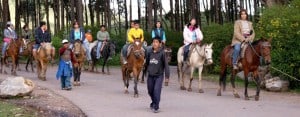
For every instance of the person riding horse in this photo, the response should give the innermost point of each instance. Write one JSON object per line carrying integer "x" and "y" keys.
{"x": 135, "y": 33}
{"x": 42, "y": 36}
{"x": 86, "y": 42}
{"x": 159, "y": 32}
{"x": 102, "y": 36}
{"x": 191, "y": 34}
{"x": 9, "y": 34}
{"x": 243, "y": 32}
{"x": 77, "y": 34}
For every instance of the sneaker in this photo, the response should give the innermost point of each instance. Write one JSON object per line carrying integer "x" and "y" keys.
{"x": 69, "y": 88}
{"x": 152, "y": 107}
{"x": 155, "y": 111}
{"x": 235, "y": 67}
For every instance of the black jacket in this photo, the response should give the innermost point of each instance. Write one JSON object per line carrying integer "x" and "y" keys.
{"x": 41, "y": 36}
{"x": 157, "y": 63}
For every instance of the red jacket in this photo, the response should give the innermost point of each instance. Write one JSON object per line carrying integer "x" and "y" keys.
{"x": 63, "y": 49}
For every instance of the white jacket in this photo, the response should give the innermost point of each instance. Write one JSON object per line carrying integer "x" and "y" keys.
{"x": 188, "y": 34}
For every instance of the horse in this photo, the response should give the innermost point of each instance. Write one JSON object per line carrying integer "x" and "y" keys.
{"x": 27, "y": 52}
{"x": 43, "y": 57}
{"x": 254, "y": 52}
{"x": 108, "y": 50}
{"x": 12, "y": 51}
{"x": 198, "y": 56}
{"x": 80, "y": 55}
{"x": 135, "y": 65}
{"x": 168, "y": 53}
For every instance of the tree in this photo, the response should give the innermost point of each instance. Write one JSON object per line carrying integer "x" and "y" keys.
{"x": 79, "y": 12}
{"x": 17, "y": 18}
{"x": 5, "y": 12}
{"x": 150, "y": 7}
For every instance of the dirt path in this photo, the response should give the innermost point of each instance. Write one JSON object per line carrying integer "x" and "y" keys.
{"x": 102, "y": 95}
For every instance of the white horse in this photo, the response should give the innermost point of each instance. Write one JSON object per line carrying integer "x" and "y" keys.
{"x": 197, "y": 59}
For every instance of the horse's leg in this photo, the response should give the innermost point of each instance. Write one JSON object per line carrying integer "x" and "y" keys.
{"x": 135, "y": 76}
{"x": 143, "y": 74}
{"x": 1, "y": 65}
{"x": 200, "y": 79}
{"x": 125, "y": 78}
{"x": 43, "y": 71}
{"x": 191, "y": 78}
{"x": 38, "y": 69}
{"x": 104, "y": 62}
{"x": 257, "y": 80}
{"x": 31, "y": 62}
{"x": 232, "y": 80}
{"x": 246, "y": 72}
{"x": 180, "y": 72}
{"x": 27, "y": 63}
{"x": 13, "y": 67}
{"x": 221, "y": 79}
{"x": 107, "y": 67}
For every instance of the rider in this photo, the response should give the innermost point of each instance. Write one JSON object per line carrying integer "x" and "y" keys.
{"x": 134, "y": 33}
{"x": 42, "y": 36}
{"x": 243, "y": 32}
{"x": 102, "y": 36}
{"x": 86, "y": 42}
{"x": 9, "y": 33}
{"x": 26, "y": 34}
{"x": 77, "y": 34}
{"x": 191, "y": 34}
{"x": 159, "y": 32}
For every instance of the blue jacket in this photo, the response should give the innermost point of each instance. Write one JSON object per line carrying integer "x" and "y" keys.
{"x": 64, "y": 69}
{"x": 41, "y": 36}
{"x": 72, "y": 35}
{"x": 159, "y": 33}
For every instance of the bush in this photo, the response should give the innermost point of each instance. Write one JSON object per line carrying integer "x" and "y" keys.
{"x": 282, "y": 24}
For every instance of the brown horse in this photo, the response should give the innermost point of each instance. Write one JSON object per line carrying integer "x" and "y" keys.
{"x": 254, "y": 52}
{"x": 135, "y": 65}
{"x": 44, "y": 56}
{"x": 13, "y": 52}
{"x": 27, "y": 52}
{"x": 79, "y": 53}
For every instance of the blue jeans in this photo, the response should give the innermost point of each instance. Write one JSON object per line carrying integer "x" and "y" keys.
{"x": 36, "y": 46}
{"x": 124, "y": 50}
{"x": 88, "y": 51}
{"x": 236, "y": 53}
{"x": 65, "y": 81}
{"x": 98, "y": 49}
{"x": 5, "y": 44}
{"x": 154, "y": 85}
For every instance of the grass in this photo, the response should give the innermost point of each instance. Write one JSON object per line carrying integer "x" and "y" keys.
{"x": 11, "y": 110}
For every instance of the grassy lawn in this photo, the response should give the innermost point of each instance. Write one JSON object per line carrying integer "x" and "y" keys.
{"x": 11, "y": 110}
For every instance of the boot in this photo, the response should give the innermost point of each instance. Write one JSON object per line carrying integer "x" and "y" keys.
{"x": 124, "y": 60}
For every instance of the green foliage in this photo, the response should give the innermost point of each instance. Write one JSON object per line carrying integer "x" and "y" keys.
{"x": 11, "y": 110}
{"x": 282, "y": 24}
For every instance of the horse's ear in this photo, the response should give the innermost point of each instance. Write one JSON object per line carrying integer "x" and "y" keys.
{"x": 210, "y": 45}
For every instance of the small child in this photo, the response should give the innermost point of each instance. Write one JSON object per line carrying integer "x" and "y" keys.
{"x": 65, "y": 70}
{"x": 157, "y": 65}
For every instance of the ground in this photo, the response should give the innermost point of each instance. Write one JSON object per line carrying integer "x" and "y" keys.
{"x": 103, "y": 95}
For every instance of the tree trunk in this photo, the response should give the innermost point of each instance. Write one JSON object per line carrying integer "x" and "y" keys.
{"x": 172, "y": 15}
{"x": 130, "y": 8}
{"x": 150, "y": 7}
{"x": 62, "y": 18}
{"x": 154, "y": 8}
{"x": 108, "y": 14}
{"x": 86, "y": 16}
{"x": 72, "y": 14}
{"x": 5, "y": 13}
{"x": 47, "y": 15}
{"x": 17, "y": 17}
{"x": 79, "y": 12}
{"x": 146, "y": 14}
{"x": 139, "y": 9}
{"x": 119, "y": 16}
{"x": 91, "y": 13}
{"x": 126, "y": 15}
{"x": 160, "y": 11}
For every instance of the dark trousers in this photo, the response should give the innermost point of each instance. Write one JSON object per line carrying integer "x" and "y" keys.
{"x": 186, "y": 50}
{"x": 154, "y": 85}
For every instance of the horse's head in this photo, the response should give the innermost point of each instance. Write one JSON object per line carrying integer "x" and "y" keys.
{"x": 265, "y": 49}
{"x": 112, "y": 48}
{"x": 23, "y": 43}
{"x": 78, "y": 49}
{"x": 137, "y": 48}
{"x": 47, "y": 50}
{"x": 208, "y": 51}
{"x": 168, "y": 52}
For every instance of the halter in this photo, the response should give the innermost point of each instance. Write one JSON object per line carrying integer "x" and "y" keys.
{"x": 204, "y": 53}
{"x": 264, "y": 44}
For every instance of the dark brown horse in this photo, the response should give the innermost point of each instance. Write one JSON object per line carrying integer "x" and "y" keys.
{"x": 13, "y": 52}
{"x": 135, "y": 65}
{"x": 27, "y": 52}
{"x": 254, "y": 52}
{"x": 79, "y": 53}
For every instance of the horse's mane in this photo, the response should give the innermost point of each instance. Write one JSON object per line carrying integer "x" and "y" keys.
{"x": 260, "y": 40}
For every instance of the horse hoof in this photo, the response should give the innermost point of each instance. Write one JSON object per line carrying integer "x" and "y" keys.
{"x": 166, "y": 83}
{"x": 182, "y": 88}
{"x": 5, "y": 72}
{"x": 136, "y": 95}
{"x": 256, "y": 98}
{"x": 143, "y": 82}
{"x": 236, "y": 95}
{"x": 201, "y": 91}
{"x": 19, "y": 70}
{"x": 247, "y": 98}
{"x": 189, "y": 89}
{"x": 126, "y": 92}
